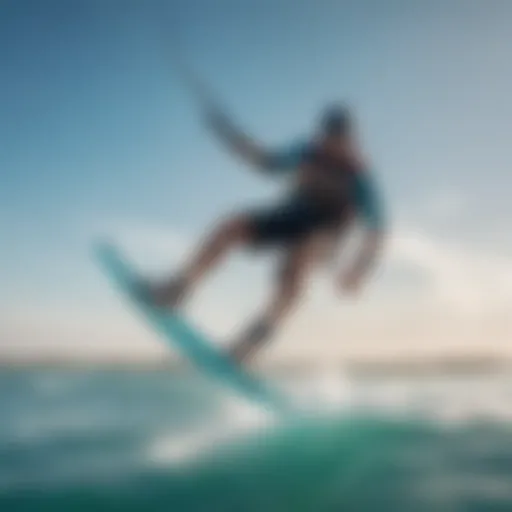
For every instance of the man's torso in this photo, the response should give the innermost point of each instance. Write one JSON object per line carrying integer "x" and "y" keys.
{"x": 326, "y": 180}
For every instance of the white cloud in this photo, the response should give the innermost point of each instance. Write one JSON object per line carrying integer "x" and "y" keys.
{"x": 462, "y": 279}
{"x": 446, "y": 203}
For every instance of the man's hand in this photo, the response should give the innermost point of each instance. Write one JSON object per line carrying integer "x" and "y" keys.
{"x": 351, "y": 280}
{"x": 216, "y": 118}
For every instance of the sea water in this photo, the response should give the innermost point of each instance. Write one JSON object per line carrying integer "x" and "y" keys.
{"x": 74, "y": 440}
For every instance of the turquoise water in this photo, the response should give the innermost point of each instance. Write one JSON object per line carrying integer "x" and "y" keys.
{"x": 153, "y": 441}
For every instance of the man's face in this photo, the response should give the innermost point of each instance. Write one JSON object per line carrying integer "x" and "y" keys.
{"x": 335, "y": 143}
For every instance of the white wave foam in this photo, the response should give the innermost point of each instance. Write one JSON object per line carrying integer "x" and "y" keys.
{"x": 238, "y": 418}
{"x": 323, "y": 392}
{"x": 235, "y": 419}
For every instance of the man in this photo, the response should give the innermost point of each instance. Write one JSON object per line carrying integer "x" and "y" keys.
{"x": 330, "y": 189}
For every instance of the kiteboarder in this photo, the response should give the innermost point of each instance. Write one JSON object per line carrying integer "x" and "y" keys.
{"x": 331, "y": 188}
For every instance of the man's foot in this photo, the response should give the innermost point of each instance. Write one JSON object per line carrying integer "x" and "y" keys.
{"x": 252, "y": 340}
{"x": 168, "y": 295}
{"x": 238, "y": 352}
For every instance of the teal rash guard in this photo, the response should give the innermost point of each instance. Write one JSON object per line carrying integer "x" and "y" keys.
{"x": 365, "y": 197}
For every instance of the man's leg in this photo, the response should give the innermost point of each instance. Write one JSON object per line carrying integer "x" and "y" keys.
{"x": 226, "y": 236}
{"x": 289, "y": 287}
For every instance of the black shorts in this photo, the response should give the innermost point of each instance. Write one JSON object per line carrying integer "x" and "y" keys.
{"x": 292, "y": 221}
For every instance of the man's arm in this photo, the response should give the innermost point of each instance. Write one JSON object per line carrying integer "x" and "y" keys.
{"x": 369, "y": 209}
{"x": 244, "y": 146}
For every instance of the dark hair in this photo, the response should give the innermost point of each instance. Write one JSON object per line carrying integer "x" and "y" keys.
{"x": 336, "y": 120}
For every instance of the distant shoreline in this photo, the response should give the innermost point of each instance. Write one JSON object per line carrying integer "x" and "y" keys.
{"x": 368, "y": 368}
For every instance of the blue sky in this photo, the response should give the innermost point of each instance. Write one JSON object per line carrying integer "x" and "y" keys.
{"x": 98, "y": 135}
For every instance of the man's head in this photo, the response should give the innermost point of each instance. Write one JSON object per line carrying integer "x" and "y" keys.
{"x": 336, "y": 126}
